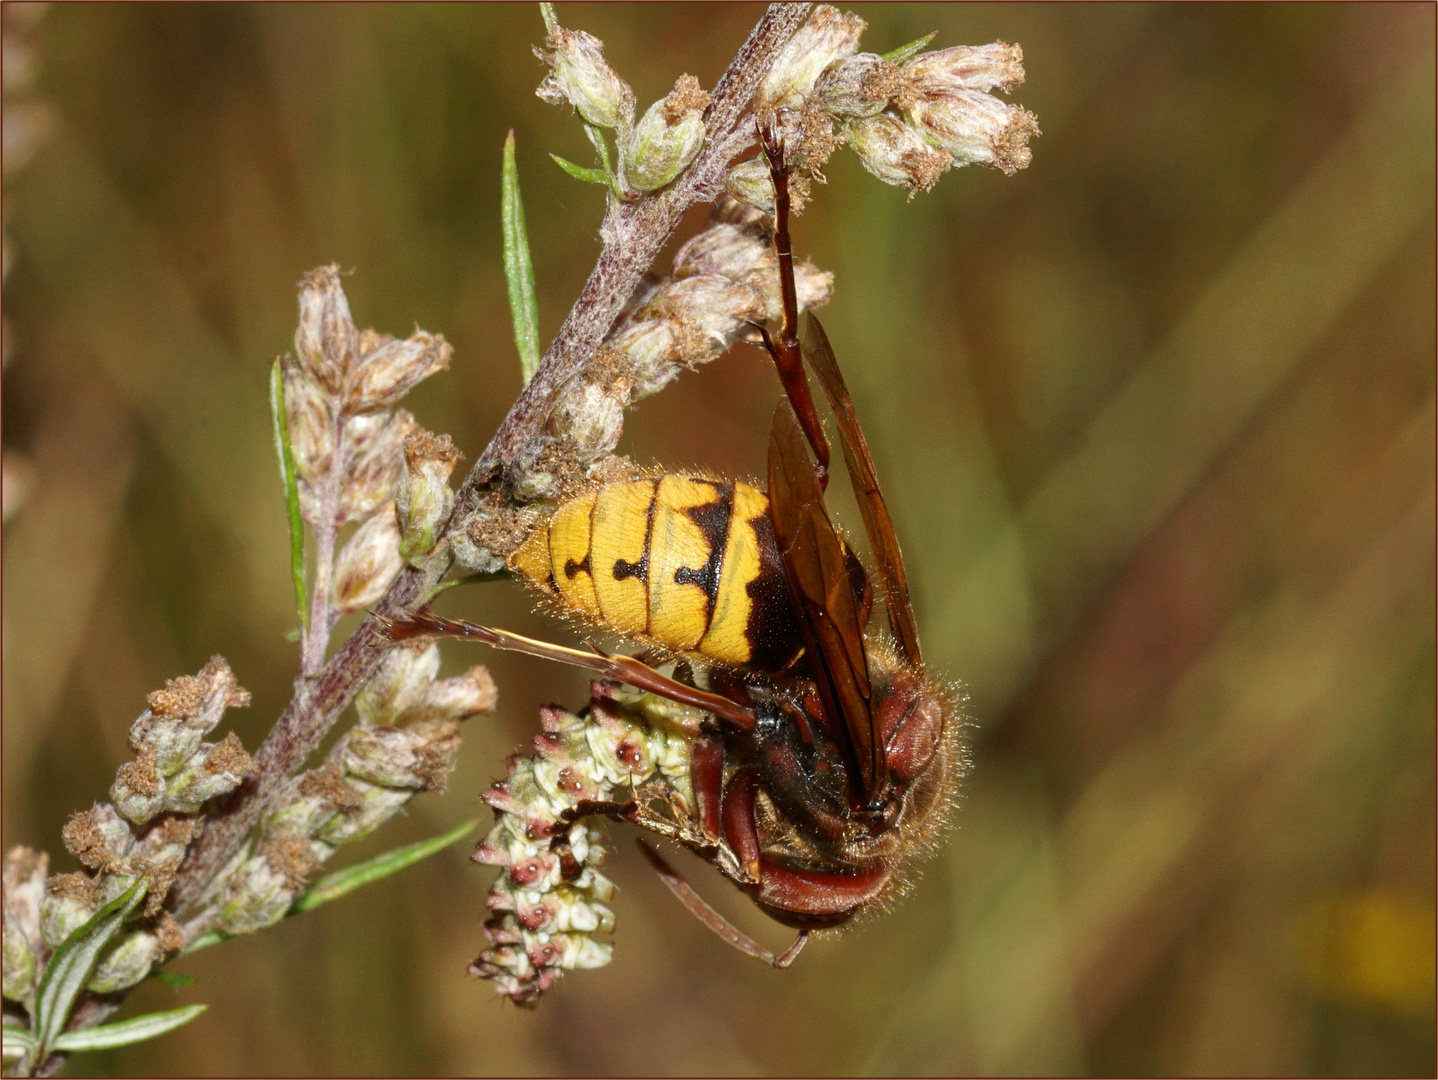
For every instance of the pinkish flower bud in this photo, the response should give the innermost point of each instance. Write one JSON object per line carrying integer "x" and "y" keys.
{"x": 860, "y": 86}
{"x": 326, "y": 340}
{"x": 737, "y": 252}
{"x": 400, "y": 684}
{"x": 457, "y": 698}
{"x": 386, "y": 373}
{"x": 423, "y": 499}
{"x": 307, "y": 414}
{"x": 375, "y": 447}
{"x": 976, "y": 128}
{"x": 125, "y": 963}
{"x": 968, "y": 67}
{"x": 667, "y": 137}
{"x": 419, "y": 757}
{"x": 827, "y": 36}
{"x": 580, "y": 75}
{"x": 367, "y": 563}
{"x": 750, "y": 183}
{"x": 896, "y": 153}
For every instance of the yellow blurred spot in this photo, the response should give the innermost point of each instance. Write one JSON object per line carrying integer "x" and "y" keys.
{"x": 1373, "y": 948}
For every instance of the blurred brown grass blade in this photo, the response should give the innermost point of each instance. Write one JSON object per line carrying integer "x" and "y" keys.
{"x": 125, "y": 301}
{"x": 56, "y": 552}
{"x": 1255, "y": 322}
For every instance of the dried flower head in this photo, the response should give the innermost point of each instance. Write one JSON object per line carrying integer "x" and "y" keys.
{"x": 326, "y": 340}
{"x": 423, "y": 499}
{"x": 828, "y": 35}
{"x": 998, "y": 66}
{"x": 667, "y": 137}
{"x": 579, "y": 75}
{"x": 896, "y": 153}
{"x": 976, "y": 128}
{"x": 862, "y": 85}
{"x": 367, "y": 563}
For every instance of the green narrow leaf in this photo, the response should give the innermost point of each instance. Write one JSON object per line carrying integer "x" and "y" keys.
{"x": 175, "y": 980}
{"x": 903, "y": 52}
{"x": 601, "y": 145}
{"x": 125, "y": 1032}
{"x": 333, "y": 886}
{"x": 205, "y": 940}
{"x": 579, "y": 172}
{"x": 478, "y": 577}
{"x": 518, "y": 269}
{"x": 291, "y": 485}
{"x": 72, "y": 964}
{"x": 18, "y": 1040}
{"x": 551, "y": 20}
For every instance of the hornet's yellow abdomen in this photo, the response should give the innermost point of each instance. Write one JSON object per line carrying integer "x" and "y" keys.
{"x": 686, "y": 562}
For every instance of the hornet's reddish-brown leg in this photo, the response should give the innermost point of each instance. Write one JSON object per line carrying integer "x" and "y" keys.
{"x": 699, "y": 908}
{"x": 706, "y": 775}
{"x": 624, "y": 669}
{"x": 785, "y": 350}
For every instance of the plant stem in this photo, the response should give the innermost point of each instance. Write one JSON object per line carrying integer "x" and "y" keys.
{"x": 632, "y": 235}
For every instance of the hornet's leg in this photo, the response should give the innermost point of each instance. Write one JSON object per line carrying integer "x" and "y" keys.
{"x": 697, "y": 906}
{"x": 785, "y": 350}
{"x": 624, "y": 669}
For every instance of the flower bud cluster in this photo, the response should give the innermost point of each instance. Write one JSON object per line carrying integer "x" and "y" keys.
{"x": 724, "y": 280}
{"x": 348, "y": 441}
{"x": 652, "y": 152}
{"x": 406, "y": 742}
{"x": 909, "y": 121}
{"x": 174, "y": 771}
{"x": 550, "y": 902}
{"x": 142, "y": 837}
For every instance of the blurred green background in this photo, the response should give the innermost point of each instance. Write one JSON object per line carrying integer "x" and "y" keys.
{"x": 1156, "y": 420}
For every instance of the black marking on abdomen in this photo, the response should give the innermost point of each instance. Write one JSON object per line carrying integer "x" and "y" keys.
{"x": 640, "y": 569}
{"x": 713, "y": 521}
{"x": 571, "y": 567}
{"x": 773, "y": 628}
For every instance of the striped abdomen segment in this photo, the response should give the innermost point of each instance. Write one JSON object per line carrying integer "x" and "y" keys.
{"x": 685, "y": 561}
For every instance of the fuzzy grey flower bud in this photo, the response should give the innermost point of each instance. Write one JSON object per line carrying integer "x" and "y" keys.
{"x": 592, "y": 416}
{"x": 976, "y": 128}
{"x": 580, "y": 76}
{"x": 749, "y": 182}
{"x": 367, "y": 563}
{"x": 99, "y": 838}
{"x": 969, "y": 67}
{"x": 377, "y": 804}
{"x": 418, "y": 757}
{"x": 264, "y": 886}
{"x": 24, "y": 892}
{"x": 307, "y": 414}
{"x": 375, "y": 444}
{"x": 715, "y": 305}
{"x": 184, "y": 711}
{"x": 69, "y": 902}
{"x": 457, "y": 698}
{"x": 737, "y": 252}
{"x": 828, "y": 35}
{"x": 307, "y": 803}
{"x": 125, "y": 963}
{"x": 216, "y": 770}
{"x": 423, "y": 499}
{"x": 896, "y": 153}
{"x": 860, "y": 86}
{"x": 400, "y": 683}
{"x": 667, "y": 137}
{"x": 389, "y": 370}
{"x": 326, "y": 340}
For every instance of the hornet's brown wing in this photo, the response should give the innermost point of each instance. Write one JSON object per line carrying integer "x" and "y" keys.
{"x": 893, "y": 579}
{"x": 821, "y": 587}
